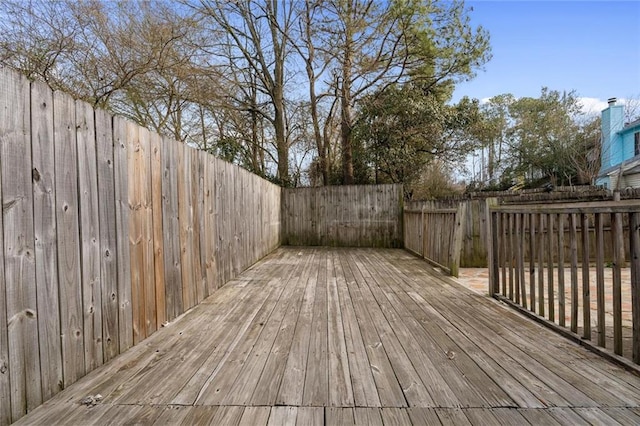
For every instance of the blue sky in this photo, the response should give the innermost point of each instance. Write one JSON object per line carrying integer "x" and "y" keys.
{"x": 592, "y": 47}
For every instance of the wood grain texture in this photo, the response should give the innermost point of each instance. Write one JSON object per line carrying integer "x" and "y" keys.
{"x": 108, "y": 233}
{"x": 68, "y": 238}
{"x": 157, "y": 234}
{"x": 121, "y": 175}
{"x": 89, "y": 235}
{"x": 44, "y": 216}
{"x": 136, "y": 174}
{"x": 171, "y": 230}
{"x": 185, "y": 215}
{"x": 364, "y": 216}
{"x": 19, "y": 249}
{"x": 107, "y": 213}
{"x": 148, "y": 293}
{"x": 475, "y": 362}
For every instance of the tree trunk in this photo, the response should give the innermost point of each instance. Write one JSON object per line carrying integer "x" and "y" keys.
{"x": 345, "y": 116}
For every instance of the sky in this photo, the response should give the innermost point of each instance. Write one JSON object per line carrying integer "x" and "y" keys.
{"x": 592, "y": 47}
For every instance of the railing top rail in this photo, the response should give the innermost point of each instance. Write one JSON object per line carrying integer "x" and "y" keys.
{"x": 624, "y": 206}
{"x": 448, "y": 211}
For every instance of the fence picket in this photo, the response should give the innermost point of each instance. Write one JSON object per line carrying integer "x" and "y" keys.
{"x": 19, "y": 245}
{"x": 108, "y": 233}
{"x": 46, "y": 254}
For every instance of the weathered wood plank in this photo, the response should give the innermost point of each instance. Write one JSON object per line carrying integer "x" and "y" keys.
{"x": 573, "y": 249}
{"x": 159, "y": 301}
{"x": 121, "y": 175}
{"x": 19, "y": 247}
{"x": 310, "y": 416}
{"x": 197, "y": 205}
{"x": 340, "y": 389}
{"x": 550, "y": 253}
{"x": 137, "y": 179}
{"x": 395, "y": 416}
{"x": 274, "y": 340}
{"x": 89, "y": 235}
{"x": 339, "y": 416}
{"x": 389, "y": 389}
{"x": 561, "y": 295}
{"x": 617, "y": 237}
{"x": 343, "y": 216}
{"x": 634, "y": 255}
{"x": 365, "y": 393}
{"x": 586, "y": 285}
{"x": 368, "y": 416}
{"x": 5, "y": 384}
{"x": 602, "y": 327}
{"x": 171, "y": 230}
{"x": 291, "y": 388}
{"x": 274, "y": 371}
{"x": 107, "y": 212}
{"x": 228, "y": 415}
{"x": 209, "y": 236}
{"x": 148, "y": 290}
{"x": 413, "y": 387}
{"x": 285, "y": 416}
{"x": 185, "y": 216}
{"x": 255, "y": 416}
{"x": 46, "y": 254}
{"x": 68, "y": 238}
{"x": 316, "y": 384}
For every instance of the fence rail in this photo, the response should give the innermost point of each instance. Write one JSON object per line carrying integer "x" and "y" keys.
{"x": 107, "y": 231}
{"x": 436, "y": 235}
{"x": 549, "y": 259}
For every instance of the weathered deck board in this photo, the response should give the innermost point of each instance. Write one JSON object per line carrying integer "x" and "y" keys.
{"x": 360, "y": 336}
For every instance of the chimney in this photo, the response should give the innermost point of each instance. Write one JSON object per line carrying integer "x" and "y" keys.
{"x": 611, "y": 123}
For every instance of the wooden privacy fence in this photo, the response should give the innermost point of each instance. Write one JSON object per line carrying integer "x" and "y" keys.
{"x": 475, "y": 228}
{"x": 108, "y": 231}
{"x": 540, "y": 260}
{"x": 348, "y": 216}
{"x": 436, "y": 235}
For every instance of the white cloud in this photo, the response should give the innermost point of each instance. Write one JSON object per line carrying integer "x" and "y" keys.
{"x": 593, "y": 106}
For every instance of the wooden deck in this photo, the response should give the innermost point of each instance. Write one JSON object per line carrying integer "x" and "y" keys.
{"x": 343, "y": 336}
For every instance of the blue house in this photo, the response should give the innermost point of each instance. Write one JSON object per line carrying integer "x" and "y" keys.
{"x": 620, "y": 156}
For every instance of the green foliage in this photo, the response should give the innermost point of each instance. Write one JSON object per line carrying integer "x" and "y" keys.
{"x": 403, "y": 129}
{"x": 542, "y": 139}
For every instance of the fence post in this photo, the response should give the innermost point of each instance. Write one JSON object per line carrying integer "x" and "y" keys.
{"x": 458, "y": 235}
{"x": 634, "y": 255}
{"x": 494, "y": 279}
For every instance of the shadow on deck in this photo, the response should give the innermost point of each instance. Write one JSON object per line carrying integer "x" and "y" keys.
{"x": 343, "y": 336}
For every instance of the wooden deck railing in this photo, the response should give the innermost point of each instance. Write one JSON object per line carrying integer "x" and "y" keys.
{"x": 436, "y": 235}
{"x": 534, "y": 246}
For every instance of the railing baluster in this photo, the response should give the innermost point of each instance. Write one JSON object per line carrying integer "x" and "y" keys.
{"x": 532, "y": 261}
{"x": 573, "y": 242}
{"x": 634, "y": 257}
{"x": 503, "y": 233}
{"x": 494, "y": 286}
{"x": 602, "y": 337}
{"x": 516, "y": 255}
{"x": 561, "y": 298}
{"x": 510, "y": 254}
{"x": 586, "y": 286}
{"x": 523, "y": 285}
{"x": 550, "y": 267}
{"x": 618, "y": 256}
{"x": 541, "y": 265}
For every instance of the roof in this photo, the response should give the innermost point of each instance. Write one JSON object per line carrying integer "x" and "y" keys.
{"x": 631, "y": 125}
